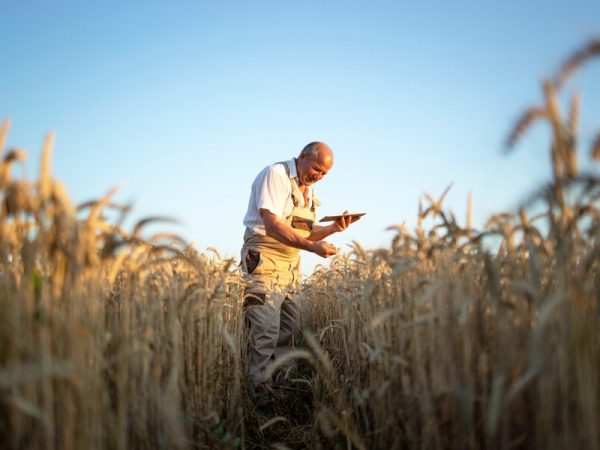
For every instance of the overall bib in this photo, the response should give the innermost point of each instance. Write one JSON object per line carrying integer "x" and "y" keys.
{"x": 273, "y": 281}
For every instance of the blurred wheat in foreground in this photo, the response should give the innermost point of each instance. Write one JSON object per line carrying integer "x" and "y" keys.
{"x": 451, "y": 338}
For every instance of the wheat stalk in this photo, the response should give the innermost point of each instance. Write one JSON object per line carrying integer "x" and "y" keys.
{"x": 595, "y": 148}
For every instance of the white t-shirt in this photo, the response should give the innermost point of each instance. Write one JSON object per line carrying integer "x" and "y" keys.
{"x": 272, "y": 190}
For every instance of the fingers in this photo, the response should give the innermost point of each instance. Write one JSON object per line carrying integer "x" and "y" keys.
{"x": 350, "y": 219}
{"x": 327, "y": 249}
{"x": 342, "y": 222}
{"x": 345, "y": 220}
{"x": 331, "y": 249}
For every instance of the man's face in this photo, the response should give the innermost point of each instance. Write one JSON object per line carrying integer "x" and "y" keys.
{"x": 311, "y": 170}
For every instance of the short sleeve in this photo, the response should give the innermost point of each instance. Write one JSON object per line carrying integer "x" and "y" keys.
{"x": 273, "y": 191}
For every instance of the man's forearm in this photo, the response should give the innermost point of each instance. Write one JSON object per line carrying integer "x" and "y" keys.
{"x": 319, "y": 233}
{"x": 284, "y": 234}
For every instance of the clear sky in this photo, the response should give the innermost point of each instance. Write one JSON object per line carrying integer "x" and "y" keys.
{"x": 185, "y": 102}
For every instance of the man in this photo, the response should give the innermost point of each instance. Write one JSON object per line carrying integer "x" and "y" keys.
{"x": 279, "y": 223}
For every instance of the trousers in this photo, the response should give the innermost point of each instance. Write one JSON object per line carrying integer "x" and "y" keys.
{"x": 271, "y": 302}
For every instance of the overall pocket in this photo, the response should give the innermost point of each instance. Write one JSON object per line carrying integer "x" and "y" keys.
{"x": 252, "y": 260}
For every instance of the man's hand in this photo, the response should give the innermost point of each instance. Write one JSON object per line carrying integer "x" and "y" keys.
{"x": 324, "y": 249}
{"x": 342, "y": 223}
{"x": 279, "y": 231}
{"x": 319, "y": 233}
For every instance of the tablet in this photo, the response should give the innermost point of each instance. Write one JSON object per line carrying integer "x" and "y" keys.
{"x": 355, "y": 217}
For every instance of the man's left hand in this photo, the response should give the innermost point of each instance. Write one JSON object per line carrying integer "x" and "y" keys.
{"x": 342, "y": 223}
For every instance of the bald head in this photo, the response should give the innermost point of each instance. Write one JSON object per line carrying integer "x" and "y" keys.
{"x": 315, "y": 160}
{"x": 317, "y": 151}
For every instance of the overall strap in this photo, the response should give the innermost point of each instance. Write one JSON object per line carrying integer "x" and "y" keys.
{"x": 314, "y": 201}
{"x": 295, "y": 200}
{"x": 287, "y": 168}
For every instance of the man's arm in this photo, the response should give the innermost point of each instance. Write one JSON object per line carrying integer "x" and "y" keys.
{"x": 319, "y": 233}
{"x": 279, "y": 231}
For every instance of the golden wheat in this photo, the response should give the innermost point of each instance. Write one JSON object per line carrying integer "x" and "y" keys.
{"x": 450, "y": 338}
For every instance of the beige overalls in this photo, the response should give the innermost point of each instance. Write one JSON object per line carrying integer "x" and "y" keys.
{"x": 273, "y": 281}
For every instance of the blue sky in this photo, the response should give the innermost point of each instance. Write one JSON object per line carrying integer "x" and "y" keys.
{"x": 185, "y": 102}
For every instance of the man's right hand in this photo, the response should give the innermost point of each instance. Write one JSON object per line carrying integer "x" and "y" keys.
{"x": 324, "y": 249}
{"x": 281, "y": 232}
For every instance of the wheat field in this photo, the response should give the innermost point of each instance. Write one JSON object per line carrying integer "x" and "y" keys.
{"x": 450, "y": 338}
